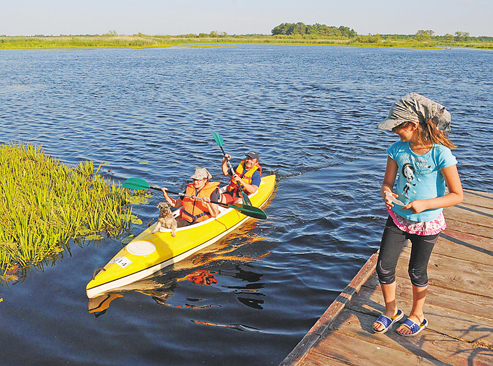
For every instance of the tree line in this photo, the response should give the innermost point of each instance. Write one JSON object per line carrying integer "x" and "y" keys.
{"x": 321, "y": 31}
{"x": 302, "y": 29}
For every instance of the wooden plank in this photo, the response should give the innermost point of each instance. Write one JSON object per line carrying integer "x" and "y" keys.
{"x": 354, "y": 351}
{"x": 459, "y": 304}
{"x": 353, "y": 340}
{"x": 345, "y": 296}
{"x": 457, "y": 317}
{"x": 456, "y": 274}
{"x": 370, "y": 300}
{"x": 465, "y": 227}
{"x": 466, "y": 246}
{"x": 461, "y": 326}
{"x": 453, "y": 319}
{"x": 470, "y": 214}
{"x": 480, "y": 199}
{"x": 320, "y": 359}
{"x": 331, "y": 313}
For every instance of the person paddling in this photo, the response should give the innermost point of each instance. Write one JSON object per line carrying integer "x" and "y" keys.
{"x": 197, "y": 210}
{"x": 247, "y": 174}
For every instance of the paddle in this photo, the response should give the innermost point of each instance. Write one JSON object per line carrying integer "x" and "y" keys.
{"x": 248, "y": 210}
{"x": 219, "y": 140}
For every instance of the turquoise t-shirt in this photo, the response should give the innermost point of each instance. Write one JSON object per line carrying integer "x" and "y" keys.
{"x": 419, "y": 177}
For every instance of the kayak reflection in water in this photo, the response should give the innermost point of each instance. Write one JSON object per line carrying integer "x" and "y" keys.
{"x": 158, "y": 288}
{"x": 202, "y": 277}
{"x": 197, "y": 210}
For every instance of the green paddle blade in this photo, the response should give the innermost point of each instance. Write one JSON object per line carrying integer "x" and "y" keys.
{"x": 251, "y": 211}
{"x": 136, "y": 184}
{"x": 218, "y": 138}
{"x": 246, "y": 199}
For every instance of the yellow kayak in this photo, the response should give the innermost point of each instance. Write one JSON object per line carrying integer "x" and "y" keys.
{"x": 149, "y": 253}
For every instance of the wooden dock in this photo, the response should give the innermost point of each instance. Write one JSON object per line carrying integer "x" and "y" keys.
{"x": 459, "y": 304}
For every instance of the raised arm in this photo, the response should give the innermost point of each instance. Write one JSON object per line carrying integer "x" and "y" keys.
{"x": 175, "y": 203}
{"x": 225, "y": 168}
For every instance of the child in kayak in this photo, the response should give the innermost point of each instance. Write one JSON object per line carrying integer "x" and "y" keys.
{"x": 426, "y": 166}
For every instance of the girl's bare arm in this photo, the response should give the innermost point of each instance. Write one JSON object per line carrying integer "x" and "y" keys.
{"x": 454, "y": 197}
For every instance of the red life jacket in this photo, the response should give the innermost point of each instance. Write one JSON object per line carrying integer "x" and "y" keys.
{"x": 246, "y": 176}
{"x": 194, "y": 210}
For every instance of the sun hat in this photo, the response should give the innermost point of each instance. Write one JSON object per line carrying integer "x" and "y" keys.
{"x": 253, "y": 154}
{"x": 201, "y": 173}
{"x": 417, "y": 108}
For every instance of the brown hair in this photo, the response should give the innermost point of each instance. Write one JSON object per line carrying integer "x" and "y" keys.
{"x": 430, "y": 132}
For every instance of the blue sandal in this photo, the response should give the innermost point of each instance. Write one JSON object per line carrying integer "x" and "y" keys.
{"x": 388, "y": 322}
{"x": 414, "y": 327}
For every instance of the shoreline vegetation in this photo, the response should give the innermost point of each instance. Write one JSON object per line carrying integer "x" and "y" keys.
{"x": 284, "y": 34}
{"x": 45, "y": 205}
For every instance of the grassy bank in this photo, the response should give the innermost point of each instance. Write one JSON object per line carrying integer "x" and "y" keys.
{"x": 146, "y": 41}
{"x": 44, "y": 204}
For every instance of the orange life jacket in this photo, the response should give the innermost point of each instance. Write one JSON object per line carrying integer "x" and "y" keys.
{"x": 194, "y": 210}
{"x": 246, "y": 176}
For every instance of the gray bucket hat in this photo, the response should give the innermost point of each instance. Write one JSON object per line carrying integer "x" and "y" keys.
{"x": 415, "y": 107}
{"x": 201, "y": 173}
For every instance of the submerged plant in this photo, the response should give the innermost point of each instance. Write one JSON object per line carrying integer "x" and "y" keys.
{"x": 44, "y": 204}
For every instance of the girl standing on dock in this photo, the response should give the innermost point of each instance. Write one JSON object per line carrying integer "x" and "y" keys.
{"x": 426, "y": 166}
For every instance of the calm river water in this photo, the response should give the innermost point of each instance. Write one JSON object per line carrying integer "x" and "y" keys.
{"x": 309, "y": 111}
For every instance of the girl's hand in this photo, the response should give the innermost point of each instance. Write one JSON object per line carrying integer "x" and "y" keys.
{"x": 416, "y": 206}
{"x": 387, "y": 197}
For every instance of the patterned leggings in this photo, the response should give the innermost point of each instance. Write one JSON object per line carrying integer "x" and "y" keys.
{"x": 393, "y": 241}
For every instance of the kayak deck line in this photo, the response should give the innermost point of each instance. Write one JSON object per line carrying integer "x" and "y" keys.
{"x": 149, "y": 253}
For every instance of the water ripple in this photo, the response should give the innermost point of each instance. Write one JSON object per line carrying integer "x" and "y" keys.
{"x": 310, "y": 112}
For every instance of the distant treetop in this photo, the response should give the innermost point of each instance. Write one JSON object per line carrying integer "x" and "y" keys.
{"x": 290, "y": 29}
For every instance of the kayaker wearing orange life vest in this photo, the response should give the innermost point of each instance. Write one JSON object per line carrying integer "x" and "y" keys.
{"x": 197, "y": 210}
{"x": 248, "y": 174}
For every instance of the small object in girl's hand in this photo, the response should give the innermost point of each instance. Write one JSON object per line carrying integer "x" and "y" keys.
{"x": 393, "y": 199}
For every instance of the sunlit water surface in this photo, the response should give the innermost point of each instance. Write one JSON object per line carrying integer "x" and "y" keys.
{"x": 310, "y": 112}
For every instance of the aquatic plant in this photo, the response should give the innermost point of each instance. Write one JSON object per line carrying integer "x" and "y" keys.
{"x": 44, "y": 204}
{"x": 318, "y": 35}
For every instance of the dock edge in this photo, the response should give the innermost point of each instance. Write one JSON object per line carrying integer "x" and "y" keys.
{"x": 318, "y": 330}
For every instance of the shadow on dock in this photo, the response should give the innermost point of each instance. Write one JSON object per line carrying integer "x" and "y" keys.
{"x": 459, "y": 304}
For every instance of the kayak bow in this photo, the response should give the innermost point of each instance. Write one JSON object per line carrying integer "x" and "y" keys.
{"x": 149, "y": 253}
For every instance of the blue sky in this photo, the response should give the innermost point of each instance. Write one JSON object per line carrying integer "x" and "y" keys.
{"x": 172, "y": 17}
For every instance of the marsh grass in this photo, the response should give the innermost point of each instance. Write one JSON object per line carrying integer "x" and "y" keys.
{"x": 201, "y": 40}
{"x": 81, "y": 42}
{"x": 44, "y": 204}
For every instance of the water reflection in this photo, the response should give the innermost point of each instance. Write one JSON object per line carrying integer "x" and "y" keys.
{"x": 311, "y": 112}
{"x": 239, "y": 327}
{"x": 18, "y": 273}
{"x": 13, "y": 275}
{"x": 162, "y": 285}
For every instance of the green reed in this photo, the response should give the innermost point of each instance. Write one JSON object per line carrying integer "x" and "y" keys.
{"x": 44, "y": 204}
{"x": 148, "y": 41}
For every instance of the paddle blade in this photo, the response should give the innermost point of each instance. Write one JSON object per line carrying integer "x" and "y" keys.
{"x": 246, "y": 199}
{"x": 217, "y": 137}
{"x": 251, "y": 211}
{"x": 136, "y": 184}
